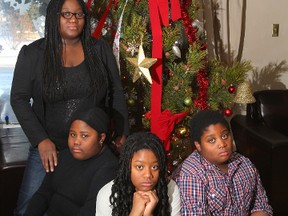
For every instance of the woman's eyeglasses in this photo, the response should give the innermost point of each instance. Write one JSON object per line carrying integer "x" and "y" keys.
{"x": 68, "y": 15}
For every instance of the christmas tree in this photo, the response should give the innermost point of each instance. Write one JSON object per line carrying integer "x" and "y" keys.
{"x": 162, "y": 56}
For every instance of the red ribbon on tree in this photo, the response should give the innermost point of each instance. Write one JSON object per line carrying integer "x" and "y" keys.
{"x": 100, "y": 25}
{"x": 159, "y": 14}
{"x": 88, "y": 4}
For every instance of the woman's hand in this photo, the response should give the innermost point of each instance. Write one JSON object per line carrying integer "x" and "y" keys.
{"x": 48, "y": 154}
{"x": 144, "y": 203}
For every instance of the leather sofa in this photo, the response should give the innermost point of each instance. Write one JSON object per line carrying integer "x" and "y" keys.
{"x": 14, "y": 148}
{"x": 262, "y": 136}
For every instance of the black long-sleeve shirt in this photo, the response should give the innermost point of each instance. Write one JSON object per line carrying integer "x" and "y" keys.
{"x": 27, "y": 84}
{"x": 72, "y": 188}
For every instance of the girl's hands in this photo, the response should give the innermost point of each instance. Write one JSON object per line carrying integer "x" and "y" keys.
{"x": 144, "y": 203}
{"x": 150, "y": 206}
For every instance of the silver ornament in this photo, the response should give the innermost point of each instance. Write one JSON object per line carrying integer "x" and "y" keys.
{"x": 176, "y": 50}
{"x": 132, "y": 47}
{"x": 198, "y": 26}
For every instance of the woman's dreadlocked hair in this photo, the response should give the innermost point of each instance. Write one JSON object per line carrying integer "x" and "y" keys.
{"x": 123, "y": 189}
{"x": 53, "y": 66}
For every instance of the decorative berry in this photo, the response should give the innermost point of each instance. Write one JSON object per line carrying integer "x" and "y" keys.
{"x": 231, "y": 89}
{"x": 228, "y": 112}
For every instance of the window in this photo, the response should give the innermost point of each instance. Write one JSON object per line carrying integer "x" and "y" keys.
{"x": 21, "y": 22}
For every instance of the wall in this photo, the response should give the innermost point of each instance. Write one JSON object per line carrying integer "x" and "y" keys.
{"x": 243, "y": 29}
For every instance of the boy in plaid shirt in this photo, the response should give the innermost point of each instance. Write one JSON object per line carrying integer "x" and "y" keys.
{"x": 214, "y": 180}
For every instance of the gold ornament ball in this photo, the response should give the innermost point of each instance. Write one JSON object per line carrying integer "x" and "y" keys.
{"x": 182, "y": 131}
{"x": 187, "y": 101}
{"x": 131, "y": 102}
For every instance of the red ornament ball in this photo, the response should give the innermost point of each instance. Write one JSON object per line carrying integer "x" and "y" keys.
{"x": 228, "y": 112}
{"x": 231, "y": 89}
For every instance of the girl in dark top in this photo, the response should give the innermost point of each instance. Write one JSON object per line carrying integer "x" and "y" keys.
{"x": 54, "y": 77}
{"x": 83, "y": 169}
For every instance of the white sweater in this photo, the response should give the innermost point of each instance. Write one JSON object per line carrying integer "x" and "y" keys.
{"x": 103, "y": 206}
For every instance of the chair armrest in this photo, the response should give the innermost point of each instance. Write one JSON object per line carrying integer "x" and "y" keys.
{"x": 258, "y": 134}
{"x": 14, "y": 148}
{"x": 269, "y": 137}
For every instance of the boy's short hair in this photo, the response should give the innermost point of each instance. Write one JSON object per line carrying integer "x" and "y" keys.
{"x": 203, "y": 119}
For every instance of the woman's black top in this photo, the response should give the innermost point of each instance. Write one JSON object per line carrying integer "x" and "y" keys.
{"x": 41, "y": 119}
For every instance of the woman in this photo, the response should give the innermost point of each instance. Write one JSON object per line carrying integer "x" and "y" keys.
{"x": 54, "y": 77}
{"x": 83, "y": 169}
{"x": 141, "y": 187}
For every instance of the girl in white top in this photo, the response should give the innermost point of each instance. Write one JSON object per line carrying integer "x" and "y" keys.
{"x": 141, "y": 187}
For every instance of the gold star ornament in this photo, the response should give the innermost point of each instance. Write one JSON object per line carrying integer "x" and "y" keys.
{"x": 142, "y": 65}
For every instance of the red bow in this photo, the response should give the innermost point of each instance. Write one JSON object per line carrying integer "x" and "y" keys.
{"x": 167, "y": 122}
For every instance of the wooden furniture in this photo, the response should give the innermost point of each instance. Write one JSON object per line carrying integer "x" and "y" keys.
{"x": 262, "y": 136}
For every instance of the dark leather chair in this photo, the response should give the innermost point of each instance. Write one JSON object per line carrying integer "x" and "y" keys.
{"x": 262, "y": 136}
{"x": 14, "y": 148}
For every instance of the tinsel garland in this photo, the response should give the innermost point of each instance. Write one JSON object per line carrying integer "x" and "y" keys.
{"x": 187, "y": 22}
{"x": 202, "y": 80}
